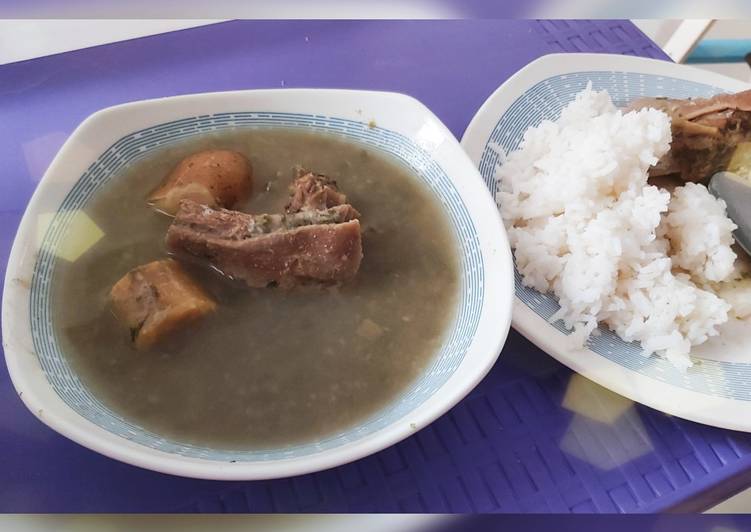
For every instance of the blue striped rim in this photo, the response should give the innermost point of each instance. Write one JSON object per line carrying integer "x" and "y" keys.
{"x": 544, "y": 101}
{"x": 139, "y": 144}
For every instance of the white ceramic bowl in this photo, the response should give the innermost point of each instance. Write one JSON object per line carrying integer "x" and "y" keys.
{"x": 114, "y": 137}
{"x": 716, "y": 391}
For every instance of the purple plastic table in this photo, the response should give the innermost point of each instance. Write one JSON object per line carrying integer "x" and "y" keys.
{"x": 520, "y": 442}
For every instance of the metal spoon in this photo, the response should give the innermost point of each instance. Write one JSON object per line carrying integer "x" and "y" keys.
{"x": 737, "y": 195}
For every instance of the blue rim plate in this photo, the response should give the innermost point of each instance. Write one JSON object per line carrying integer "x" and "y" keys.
{"x": 717, "y": 390}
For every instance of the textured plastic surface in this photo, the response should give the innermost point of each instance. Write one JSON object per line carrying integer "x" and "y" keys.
{"x": 532, "y": 437}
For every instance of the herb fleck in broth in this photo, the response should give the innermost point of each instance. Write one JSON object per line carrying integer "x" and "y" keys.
{"x": 270, "y": 368}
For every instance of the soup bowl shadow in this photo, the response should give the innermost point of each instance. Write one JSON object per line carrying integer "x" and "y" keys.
{"x": 113, "y": 138}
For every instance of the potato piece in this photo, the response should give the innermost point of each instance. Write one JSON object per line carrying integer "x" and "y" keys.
{"x": 157, "y": 299}
{"x": 217, "y": 178}
{"x": 740, "y": 163}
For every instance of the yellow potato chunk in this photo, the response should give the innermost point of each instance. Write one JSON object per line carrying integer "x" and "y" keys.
{"x": 217, "y": 178}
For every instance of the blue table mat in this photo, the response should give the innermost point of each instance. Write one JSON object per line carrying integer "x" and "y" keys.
{"x": 520, "y": 442}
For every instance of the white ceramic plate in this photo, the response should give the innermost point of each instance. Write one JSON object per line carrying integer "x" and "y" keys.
{"x": 113, "y": 138}
{"x": 716, "y": 391}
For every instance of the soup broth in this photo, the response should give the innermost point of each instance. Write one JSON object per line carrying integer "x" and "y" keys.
{"x": 270, "y": 367}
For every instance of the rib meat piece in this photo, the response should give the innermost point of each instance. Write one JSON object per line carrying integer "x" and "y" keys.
{"x": 156, "y": 299}
{"x": 314, "y": 192}
{"x": 705, "y": 131}
{"x": 265, "y": 249}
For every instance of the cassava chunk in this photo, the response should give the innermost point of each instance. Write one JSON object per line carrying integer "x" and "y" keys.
{"x": 157, "y": 299}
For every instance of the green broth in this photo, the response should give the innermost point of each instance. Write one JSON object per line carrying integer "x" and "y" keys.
{"x": 270, "y": 368}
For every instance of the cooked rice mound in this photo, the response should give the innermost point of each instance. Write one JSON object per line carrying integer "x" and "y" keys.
{"x": 700, "y": 233}
{"x": 585, "y": 225}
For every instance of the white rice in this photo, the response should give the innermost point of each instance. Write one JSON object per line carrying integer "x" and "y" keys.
{"x": 585, "y": 225}
{"x": 700, "y": 233}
